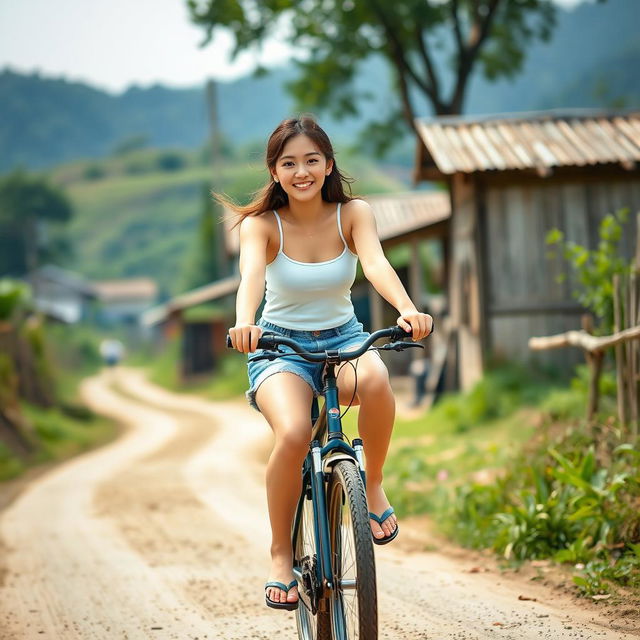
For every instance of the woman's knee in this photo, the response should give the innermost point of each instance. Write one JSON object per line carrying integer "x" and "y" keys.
{"x": 293, "y": 438}
{"x": 375, "y": 385}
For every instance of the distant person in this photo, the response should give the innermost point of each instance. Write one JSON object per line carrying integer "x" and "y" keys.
{"x": 112, "y": 351}
{"x": 419, "y": 370}
{"x": 301, "y": 237}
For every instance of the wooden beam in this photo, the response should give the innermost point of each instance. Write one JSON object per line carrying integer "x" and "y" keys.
{"x": 583, "y": 340}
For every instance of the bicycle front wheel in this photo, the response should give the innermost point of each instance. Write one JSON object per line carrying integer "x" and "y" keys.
{"x": 353, "y": 605}
{"x": 312, "y": 614}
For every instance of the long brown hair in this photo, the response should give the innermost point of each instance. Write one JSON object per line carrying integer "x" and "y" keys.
{"x": 272, "y": 195}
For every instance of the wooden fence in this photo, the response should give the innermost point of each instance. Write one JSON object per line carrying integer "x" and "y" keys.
{"x": 626, "y": 296}
{"x": 625, "y": 340}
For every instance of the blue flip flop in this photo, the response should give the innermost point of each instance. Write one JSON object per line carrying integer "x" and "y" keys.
{"x": 380, "y": 520}
{"x": 289, "y": 606}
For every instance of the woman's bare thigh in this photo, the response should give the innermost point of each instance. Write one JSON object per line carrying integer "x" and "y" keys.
{"x": 285, "y": 401}
{"x": 370, "y": 367}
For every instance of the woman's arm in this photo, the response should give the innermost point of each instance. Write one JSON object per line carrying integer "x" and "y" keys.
{"x": 253, "y": 256}
{"x": 381, "y": 274}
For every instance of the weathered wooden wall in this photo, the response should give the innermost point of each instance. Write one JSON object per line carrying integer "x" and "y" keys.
{"x": 466, "y": 281}
{"x": 522, "y": 296}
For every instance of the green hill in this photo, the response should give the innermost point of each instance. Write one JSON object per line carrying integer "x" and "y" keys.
{"x": 591, "y": 60}
{"x": 134, "y": 219}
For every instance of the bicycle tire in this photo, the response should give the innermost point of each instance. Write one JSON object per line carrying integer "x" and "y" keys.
{"x": 310, "y": 626}
{"x": 354, "y": 608}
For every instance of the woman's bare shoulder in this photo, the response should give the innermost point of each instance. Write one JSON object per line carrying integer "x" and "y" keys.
{"x": 261, "y": 224}
{"x": 357, "y": 207}
{"x": 356, "y": 210}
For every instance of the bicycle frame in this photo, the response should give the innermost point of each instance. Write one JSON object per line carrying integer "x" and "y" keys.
{"x": 313, "y": 479}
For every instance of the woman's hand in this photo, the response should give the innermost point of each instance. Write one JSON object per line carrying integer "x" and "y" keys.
{"x": 420, "y": 323}
{"x": 244, "y": 337}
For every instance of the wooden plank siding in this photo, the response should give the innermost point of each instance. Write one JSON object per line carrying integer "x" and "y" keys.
{"x": 523, "y": 297}
{"x": 465, "y": 282}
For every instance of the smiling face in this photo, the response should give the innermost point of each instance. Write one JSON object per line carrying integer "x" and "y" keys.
{"x": 301, "y": 168}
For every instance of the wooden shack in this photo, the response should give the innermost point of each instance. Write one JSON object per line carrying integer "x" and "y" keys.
{"x": 511, "y": 179}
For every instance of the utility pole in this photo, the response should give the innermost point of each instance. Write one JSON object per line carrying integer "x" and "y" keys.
{"x": 216, "y": 167}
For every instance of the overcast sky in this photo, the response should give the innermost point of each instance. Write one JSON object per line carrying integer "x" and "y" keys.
{"x": 112, "y": 44}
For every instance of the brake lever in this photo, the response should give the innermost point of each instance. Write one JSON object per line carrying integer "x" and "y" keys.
{"x": 399, "y": 346}
{"x": 266, "y": 356}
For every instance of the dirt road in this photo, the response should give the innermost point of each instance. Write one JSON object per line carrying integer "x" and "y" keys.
{"x": 164, "y": 534}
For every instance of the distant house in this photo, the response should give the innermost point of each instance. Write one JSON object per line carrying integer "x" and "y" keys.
{"x": 511, "y": 179}
{"x": 203, "y": 337}
{"x": 62, "y": 295}
{"x": 122, "y": 302}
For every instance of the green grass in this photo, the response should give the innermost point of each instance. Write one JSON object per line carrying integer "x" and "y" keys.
{"x": 57, "y": 434}
{"x": 69, "y": 428}
{"x": 229, "y": 380}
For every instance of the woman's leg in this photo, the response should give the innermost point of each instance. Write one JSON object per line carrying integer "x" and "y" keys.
{"x": 375, "y": 424}
{"x": 285, "y": 401}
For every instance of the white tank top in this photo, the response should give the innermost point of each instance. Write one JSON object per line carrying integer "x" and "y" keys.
{"x": 309, "y": 296}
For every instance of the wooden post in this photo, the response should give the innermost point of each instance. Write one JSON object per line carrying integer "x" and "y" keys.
{"x": 594, "y": 361}
{"x": 632, "y": 349}
{"x": 375, "y": 309}
{"x": 216, "y": 164}
{"x": 416, "y": 286}
{"x": 620, "y": 382}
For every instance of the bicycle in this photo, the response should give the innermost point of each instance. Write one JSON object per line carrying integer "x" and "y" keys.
{"x": 333, "y": 559}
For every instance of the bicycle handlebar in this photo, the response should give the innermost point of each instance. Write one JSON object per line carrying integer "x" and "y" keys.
{"x": 271, "y": 341}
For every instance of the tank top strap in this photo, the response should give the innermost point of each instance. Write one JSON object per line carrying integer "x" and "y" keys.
{"x": 340, "y": 225}
{"x": 275, "y": 213}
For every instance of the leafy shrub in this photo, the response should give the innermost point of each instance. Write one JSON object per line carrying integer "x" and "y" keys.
{"x": 13, "y": 295}
{"x": 595, "y": 268}
{"x": 94, "y": 172}
{"x": 170, "y": 161}
{"x": 560, "y": 503}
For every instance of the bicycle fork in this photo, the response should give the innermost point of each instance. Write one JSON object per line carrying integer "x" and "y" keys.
{"x": 320, "y": 515}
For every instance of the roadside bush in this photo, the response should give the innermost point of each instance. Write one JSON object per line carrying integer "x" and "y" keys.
{"x": 170, "y": 161}
{"x": 94, "y": 172}
{"x": 567, "y": 502}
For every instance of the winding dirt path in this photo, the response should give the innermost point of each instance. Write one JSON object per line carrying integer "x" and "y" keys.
{"x": 164, "y": 534}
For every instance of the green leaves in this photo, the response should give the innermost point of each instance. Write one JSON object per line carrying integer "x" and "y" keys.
{"x": 13, "y": 294}
{"x": 422, "y": 40}
{"x": 594, "y": 269}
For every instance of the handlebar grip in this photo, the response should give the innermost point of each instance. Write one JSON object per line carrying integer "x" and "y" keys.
{"x": 399, "y": 333}
{"x": 264, "y": 342}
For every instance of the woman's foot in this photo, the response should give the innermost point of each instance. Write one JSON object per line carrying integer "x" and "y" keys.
{"x": 378, "y": 504}
{"x": 281, "y": 572}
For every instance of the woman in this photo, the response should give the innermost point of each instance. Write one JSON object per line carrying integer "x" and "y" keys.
{"x": 302, "y": 237}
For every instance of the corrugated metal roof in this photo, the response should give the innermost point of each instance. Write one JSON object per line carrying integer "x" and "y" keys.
{"x": 126, "y": 289}
{"x": 400, "y": 213}
{"x": 206, "y": 293}
{"x": 540, "y": 141}
{"x": 396, "y": 214}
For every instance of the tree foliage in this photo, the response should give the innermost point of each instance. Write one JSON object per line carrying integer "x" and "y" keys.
{"x": 423, "y": 41}
{"x": 29, "y": 205}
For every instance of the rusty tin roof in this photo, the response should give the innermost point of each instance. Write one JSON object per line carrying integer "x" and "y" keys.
{"x": 538, "y": 140}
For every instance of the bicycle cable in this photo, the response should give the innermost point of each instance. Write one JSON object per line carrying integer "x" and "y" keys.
{"x": 355, "y": 384}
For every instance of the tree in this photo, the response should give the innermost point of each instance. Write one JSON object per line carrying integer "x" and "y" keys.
{"x": 419, "y": 39}
{"x": 28, "y": 204}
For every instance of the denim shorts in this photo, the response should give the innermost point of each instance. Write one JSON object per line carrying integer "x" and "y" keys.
{"x": 348, "y": 335}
